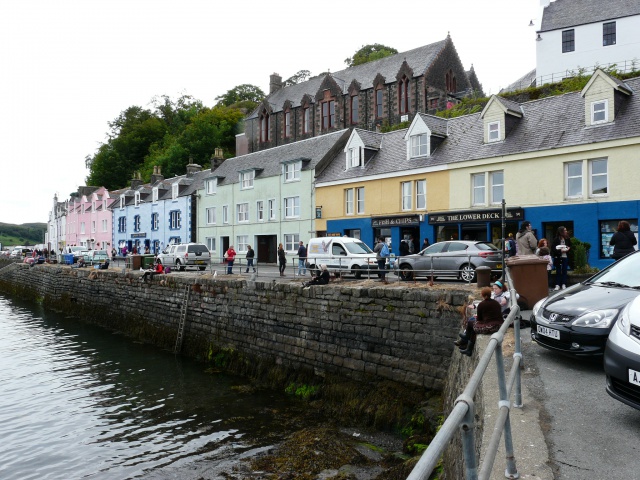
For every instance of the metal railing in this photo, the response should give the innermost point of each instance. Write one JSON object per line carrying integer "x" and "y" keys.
{"x": 462, "y": 415}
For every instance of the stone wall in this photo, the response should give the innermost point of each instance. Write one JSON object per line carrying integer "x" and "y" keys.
{"x": 396, "y": 332}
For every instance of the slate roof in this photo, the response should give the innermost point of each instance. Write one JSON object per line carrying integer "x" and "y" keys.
{"x": 546, "y": 124}
{"x": 419, "y": 59}
{"x": 570, "y": 13}
{"x": 525, "y": 81}
{"x": 269, "y": 162}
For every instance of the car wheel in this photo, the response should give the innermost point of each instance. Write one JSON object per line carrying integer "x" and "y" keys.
{"x": 406, "y": 272}
{"x": 179, "y": 266}
{"x": 202, "y": 268}
{"x": 356, "y": 271}
{"x": 468, "y": 273}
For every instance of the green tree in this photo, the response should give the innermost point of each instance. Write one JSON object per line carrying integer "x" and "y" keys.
{"x": 369, "y": 53}
{"x": 241, "y": 93}
{"x": 299, "y": 77}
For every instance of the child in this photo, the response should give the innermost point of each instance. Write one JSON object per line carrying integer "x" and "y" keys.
{"x": 545, "y": 254}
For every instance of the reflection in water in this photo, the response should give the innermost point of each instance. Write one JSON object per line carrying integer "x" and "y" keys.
{"x": 78, "y": 401}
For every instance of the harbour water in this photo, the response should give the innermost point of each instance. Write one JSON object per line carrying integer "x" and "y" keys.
{"x": 78, "y": 401}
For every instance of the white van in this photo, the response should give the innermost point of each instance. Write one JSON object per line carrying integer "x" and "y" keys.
{"x": 341, "y": 255}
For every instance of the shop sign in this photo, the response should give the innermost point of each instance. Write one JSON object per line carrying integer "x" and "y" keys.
{"x": 470, "y": 216}
{"x": 398, "y": 221}
{"x": 138, "y": 235}
{"x": 333, "y": 234}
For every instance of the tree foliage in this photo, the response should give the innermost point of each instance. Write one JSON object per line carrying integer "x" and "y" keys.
{"x": 299, "y": 77}
{"x": 241, "y": 93}
{"x": 369, "y": 53}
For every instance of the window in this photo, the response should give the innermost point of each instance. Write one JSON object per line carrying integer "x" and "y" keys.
{"x": 211, "y": 216}
{"x": 360, "y": 200}
{"x": 421, "y": 194}
{"x": 93, "y": 226}
{"x": 241, "y": 242}
{"x": 497, "y": 186}
{"x": 328, "y": 114}
{"x": 174, "y": 220}
{"x": 155, "y": 221}
{"x": 105, "y": 225}
{"x": 122, "y": 224}
{"x": 211, "y": 244}
{"x": 479, "y": 190}
{"x": 608, "y": 228}
{"x": 121, "y": 201}
{"x": 348, "y": 201}
{"x": 450, "y": 81}
{"x": 420, "y": 145}
{"x": 354, "y": 157}
{"x": 154, "y": 195}
{"x": 137, "y": 198}
{"x": 599, "y": 112}
{"x": 291, "y": 242}
{"x": 265, "y": 126}
{"x": 246, "y": 179}
{"x": 242, "y": 212}
{"x": 354, "y": 109}
{"x": 433, "y": 103}
{"x": 493, "y": 131}
{"x": 174, "y": 191}
{"x": 292, "y": 171}
{"x": 271, "y": 205}
{"x": 306, "y": 115}
{"x": 568, "y": 41}
{"x": 81, "y": 227}
{"x": 211, "y": 185}
{"x": 599, "y": 179}
{"x": 287, "y": 124}
{"x": 136, "y": 223}
{"x": 403, "y": 96}
{"x": 608, "y": 34}
{"x": 406, "y": 195}
{"x": 574, "y": 179}
{"x": 292, "y": 207}
{"x": 260, "y": 211}
{"x": 379, "y": 105}
{"x": 225, "y": 214}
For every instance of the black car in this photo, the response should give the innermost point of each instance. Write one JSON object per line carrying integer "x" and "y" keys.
{"x": 578, "y": 320}
{"x": 622, "y": 357}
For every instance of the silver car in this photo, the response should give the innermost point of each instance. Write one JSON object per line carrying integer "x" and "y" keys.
{"x": 454, "y": 258}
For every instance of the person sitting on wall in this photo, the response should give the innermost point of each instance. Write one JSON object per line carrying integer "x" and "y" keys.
{"x": 158, "y": 269}
{"x": 488, "y": 320}
{"x": 321, "y": 279}
{"x": 81, "y": 263}
{"x": 105, "y": 265}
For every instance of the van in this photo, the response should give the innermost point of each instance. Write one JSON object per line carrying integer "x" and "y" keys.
{"x": 341, "y": 255}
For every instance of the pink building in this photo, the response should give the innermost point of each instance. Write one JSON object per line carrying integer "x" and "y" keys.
{"x": 88, "y": 219}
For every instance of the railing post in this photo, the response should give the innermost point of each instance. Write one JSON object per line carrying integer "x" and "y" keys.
{"x": 468, "y": 439}
{"x": 511, "y": 471}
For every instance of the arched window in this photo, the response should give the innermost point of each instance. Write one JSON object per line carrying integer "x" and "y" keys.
{"x": 450, "y": 81}
{"x": 287, "y": 124}
{"x": 265, "y": 126}
{"x": 403, "y": 95}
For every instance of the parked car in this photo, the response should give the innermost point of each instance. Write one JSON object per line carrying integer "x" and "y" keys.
{"x": 622, "y": 356}
{"x": 182, "y": 255}
{"x": 578, "y": 320}
{"x": 454, "y": 258}
{"x": 79, "y": 251}
{"x": 96, "y": 257}
{"x": 341, "y": 255}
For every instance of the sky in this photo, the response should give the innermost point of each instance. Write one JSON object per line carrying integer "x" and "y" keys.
{"x": 69, "y": 67}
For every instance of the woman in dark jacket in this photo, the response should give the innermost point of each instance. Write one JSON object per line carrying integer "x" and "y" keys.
{"x": 560, "y": 247}
{"x": 282, "y": 259}
{"x": 489, "y": 320}
{"x": 623, "y": 241}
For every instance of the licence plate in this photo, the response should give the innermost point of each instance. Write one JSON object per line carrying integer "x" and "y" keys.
{"x": 634, "y": 377}
{"x": 549, "y": 332}
{"x": 198, "y": 262}
{"x": 498, "y": 266}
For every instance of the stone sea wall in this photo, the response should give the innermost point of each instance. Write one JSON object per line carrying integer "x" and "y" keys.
{"x": 398, "y": 332}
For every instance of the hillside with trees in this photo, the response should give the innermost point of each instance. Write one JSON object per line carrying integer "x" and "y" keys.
{"x": 25, "y": 234}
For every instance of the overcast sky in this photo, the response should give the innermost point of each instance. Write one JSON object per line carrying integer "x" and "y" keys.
{"x": 67, "y": 68}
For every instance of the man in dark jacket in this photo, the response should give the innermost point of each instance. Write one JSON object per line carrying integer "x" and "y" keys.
{"x": 302, "y": 259}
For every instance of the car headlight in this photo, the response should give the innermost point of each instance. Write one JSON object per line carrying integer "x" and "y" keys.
{"x": 624, "y": 322}
{"x": 537, "y": 306}
{"x": 597, "y": 319}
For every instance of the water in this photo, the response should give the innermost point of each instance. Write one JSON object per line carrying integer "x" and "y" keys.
{"x": 77, "y": 401}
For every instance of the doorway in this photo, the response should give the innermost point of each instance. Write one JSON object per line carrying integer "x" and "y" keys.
{"x": 267, "y": 248}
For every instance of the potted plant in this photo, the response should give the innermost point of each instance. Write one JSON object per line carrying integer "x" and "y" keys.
{"x": 578, "y": 261}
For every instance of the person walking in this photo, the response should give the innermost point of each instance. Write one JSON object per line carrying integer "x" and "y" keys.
{"x": 250, "y": 256}
{"x": 382, "y": 253}
{"x": 510, "y": 246}
{"x": 623, "y": 241}
{"x": 282, "y": 259}
{"x": 425, "y": 243}
{"x": 302, "y": 259}
{"x": 526, "y": 240}
{"x": 230, "y": 255}
{"x": 560, "y": 247}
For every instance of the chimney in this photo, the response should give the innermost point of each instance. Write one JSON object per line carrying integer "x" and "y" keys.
{"x": 216, "y": 159}
{"x": 136, "y": 181}
{"x": 156, "y": 176}
{"x": 275, "y": 83}
{"x": 192, "y": 167}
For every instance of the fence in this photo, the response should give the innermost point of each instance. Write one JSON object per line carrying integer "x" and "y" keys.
{"x": 462, "y": 415}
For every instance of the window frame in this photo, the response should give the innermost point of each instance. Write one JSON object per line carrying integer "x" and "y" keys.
{"x": 406, "y": 193}
{"x": 403, "y": 96}
{"x": 475, "y": 188}
{"x": 490, "y": 131}
{"x": 136, "y": 198}
{"x": 225, "y": 214}
{"x": 175, "y": 220}
{"x": 155, "y": 221}
{"x": 210, "y": 215}
{"x": 568, "y": 178}
{"x": 136, "y": 223}
{"x": 247, "y": 179}
{"x": 355, "y": 101}
{"x": 287, "y": 124}
{"x": 604, "y": 111}
{"x": 359, "y": 200}
{"x": 417, "y": 145}
{"x": 242, "y": 212}
{"x": 154, "y": 195}
{"x": 175, "y": 190}
{"x": 591, "y": 163}
{"x": 265, "y": 126}
{"x": 354, "y": 160}
{"x": 211, "y": 243}
{"x": 349, "y": 195}
{"x": 608, "y": 34}
{"x": 291, "y": 242}
{"x": 260, "y": 210}
{"x": 421, "y": 196}
{"x": 241, "y": 243}
{"x": 379, "y": 102}
{"x": 328, "y": 114}
{"x": 292, "y": 171}
{"x": 568, "y": 40}
{"x": 493, "y": 185}
{"x": 291, "y": 207}
{"x": 272, "y": 214}
{"x": 306, "y": 117}
{"x": 211, "y": 185}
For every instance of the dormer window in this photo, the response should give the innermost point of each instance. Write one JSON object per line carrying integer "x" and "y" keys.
{"x": 493, "y": 131}
{"x": 174, "y": 191}
{"x": 354, "y": 157}
{"x": 211, "y": 185}
{"x": 599, "y": 112}
{"x": 246, "y": 179}
{"x": 121, "y": 201}
{"x": 292, "y": 171}
{"x": 420, "y": 145}
{"x": 154, "y": 194}
{"x": 137, "y": 198}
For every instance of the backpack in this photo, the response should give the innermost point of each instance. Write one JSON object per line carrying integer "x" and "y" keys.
{"x": 384, "y": 252}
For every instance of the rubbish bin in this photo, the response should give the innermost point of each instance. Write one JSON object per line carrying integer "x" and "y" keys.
{"x": 136, "y": 262}
{"x": 529, "y": 275}
{"x": 483, "y": 276}
{"x": 68, "y": 258}
{"x": 147, "y": 261}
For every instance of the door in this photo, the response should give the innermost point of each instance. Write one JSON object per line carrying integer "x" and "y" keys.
{"x": 225, "y": 246}
{"x": 267, "y": 248}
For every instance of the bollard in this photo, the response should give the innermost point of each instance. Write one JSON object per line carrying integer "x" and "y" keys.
{"x": 483, "y": 276}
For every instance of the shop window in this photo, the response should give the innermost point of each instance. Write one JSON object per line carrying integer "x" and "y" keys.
{"x": 607, "y": 229}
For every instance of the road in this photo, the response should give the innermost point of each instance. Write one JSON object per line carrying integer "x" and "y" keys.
{"x": 589, "y": 434}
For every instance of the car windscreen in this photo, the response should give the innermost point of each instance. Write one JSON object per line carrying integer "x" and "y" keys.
{"x": 358, "y": 248}
{"x": 624, "y": 272}
{"x": 198, "y": 249}
{"x": 485, "y": 246}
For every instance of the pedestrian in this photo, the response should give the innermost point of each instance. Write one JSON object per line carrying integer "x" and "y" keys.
{"x": 545, "y": 254}
{"x": 412, "y": 245}
{"x": 425, "y": 243}
{"x": 147, "y": 251}
{"x": 230, "y": 255}
{"x": 114, "y": 252}
{"x": 282, "y": 259}
{"x": 250, "y": 256}
{"x": 560, "y": 247}
{"x": 623, "y": 241}
{"x": 403, "y": 249}
{"x": 488, "y": 320}
{"x": 302, "y": 259}
{"x": 134, "y": 251}
{"x": 510, "y": 246}
{"x": 526, "y": 242}
{"x": 542, "y": 243}
{"x": 382, "y": 253}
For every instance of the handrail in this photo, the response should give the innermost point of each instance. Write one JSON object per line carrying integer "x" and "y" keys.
{"x": 463, "y": 412}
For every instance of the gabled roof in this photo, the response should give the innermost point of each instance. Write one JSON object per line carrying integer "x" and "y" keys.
{"x": 507, "y": 106}
{"x": 571, "y": 13}
{"x": 525, "y": 81}
{"x": 615, "y": 83}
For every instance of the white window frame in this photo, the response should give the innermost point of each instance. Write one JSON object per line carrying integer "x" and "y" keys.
{"x": 291, "y": 242}
{"x": 242, "y": 212}
{"x": 241, "y": 243}
{"x": 421, "y": 194}
{"x": 579, "y": 179}
{"x": 292, "y": 171}
{"x": 174, "y": 191}
{"x": 354, "y": 157}
{"x": 154, "y": 195}
{"x": 480, "y": 189}
{"x": 105, "y": 225}
{"x": 81, "y": 228}
{"x": 271, "y": 209}
{"x": 211, "y": 185}
{"x": 592, "y": 176}
{"x": 604, "y": 111}
{"x": 211, "y": 215}
{"x": 348, "y": 201}
{"x": 419, "y": 145}
{"x": 496, "y": 187}
{"x": 136, "y": 223}
{"x": 211, "y": 243}
{"x": 122, "y": 202}
{"x": 93, "y": 226}
{"x": 360, "y": 200}
{"x": 260, "y": 211}
{"x": 405, "y": 196}
{"x": 155, "y": 221}
{"x": 493, "y": 131}
{"x": 136, "y": 197}
{"x": 175, "y": 219}
{"x": 291, "y": 207}
{"x": 246, "y": 179}
{"x": 225, "y": 214}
